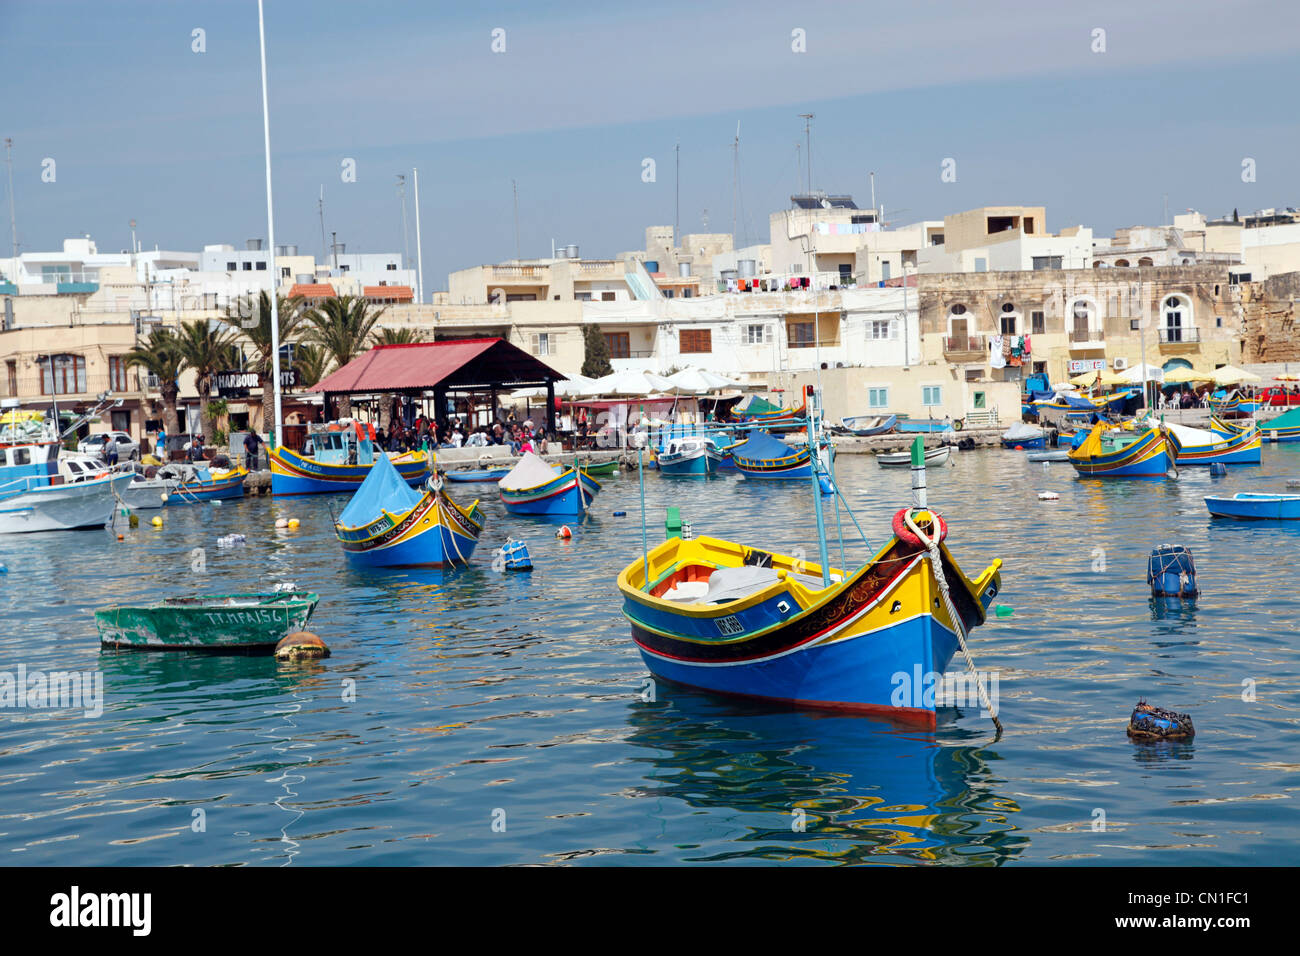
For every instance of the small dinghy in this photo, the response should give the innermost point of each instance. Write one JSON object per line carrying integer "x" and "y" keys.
{"x": 1258, "y": 507}
{"x": 1022, "y": 436}
{"x": 477, "y": 474}
{"x": 864, "y": 426}
{"x": 903, "y": 459}
{"x": 1055, "y": 454}
{"x": 228, "y": 623}
{"x": 602, "y": 469}
{"x": 535, "y": 488}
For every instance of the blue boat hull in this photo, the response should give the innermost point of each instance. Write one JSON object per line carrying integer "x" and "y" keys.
{"x": 439, "y": 547}
{"x": 559, "y": 497}
{"x": 853, "y": 675}
{"x": 1033, "y": 444}
{"x": 194, "y": 494}
{"x": 698, "y": 467}
{"x": 1255, "y": 507}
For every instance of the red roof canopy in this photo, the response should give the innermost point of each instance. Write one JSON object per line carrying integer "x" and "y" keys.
{"x": 455, "y": 364}
{"x": 312, "y": 290}
{"x": 402, "y": 292}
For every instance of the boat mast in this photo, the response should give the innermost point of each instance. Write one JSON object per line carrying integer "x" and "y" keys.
{"x": 811, "y": 400}
{"x": 270, "y": 232}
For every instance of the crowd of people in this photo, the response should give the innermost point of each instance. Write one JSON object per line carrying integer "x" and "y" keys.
{"x": 424, "y": 433}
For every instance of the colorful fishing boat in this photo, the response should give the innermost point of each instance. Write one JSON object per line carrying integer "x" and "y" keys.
{"x": 601, "y": 469}
{"x": 1227, "y": 428}
{"x": 198, "y": 484}
{"x": 1227, "y": 407}
{"x": 1255, "y": 507}
{"x": 764, "y": 457}
{"x": 761, "y": 413}
{"x": 1196, "y": 446}
{"x": 389, "y": 524}
{"x": 342, "y": 454}
{"x": 738, "y": 620}
{"x": 1284, "y": 428}
{"x": 227, "y": 622}
{"x": 1122, "y": 454}
{"x": 690, "y": 456}
{"x": 864, "y": 426}
{"x": 535, "y": 488}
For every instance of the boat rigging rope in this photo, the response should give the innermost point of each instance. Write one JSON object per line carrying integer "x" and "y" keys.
{"x": 936, "y": 563}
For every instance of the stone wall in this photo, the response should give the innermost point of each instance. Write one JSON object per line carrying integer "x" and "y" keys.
{"x": 1269, "y": 329}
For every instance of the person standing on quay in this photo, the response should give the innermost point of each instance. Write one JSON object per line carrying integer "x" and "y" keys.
{"x": 252, "y": 441}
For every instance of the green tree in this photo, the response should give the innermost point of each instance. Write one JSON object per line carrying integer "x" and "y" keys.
{"x": 253, "y": 315}
{"x": 402, "y": 336}
{"x": 160, "y": 356}
{"x": 596, "y": 361}
{"x": 206, "y": 347}
{"x": 343, "y": 326}
{"x": 311, "y": 362}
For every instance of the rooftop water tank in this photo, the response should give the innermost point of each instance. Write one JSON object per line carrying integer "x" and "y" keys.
{"x": 286, "y": 250}
{"x": 571, "y": 252}
{"x": 684, "y": 270}
{"x": 747, "y": 268}
{"x": 651, "y": 265}
{"x": 304, "y": 278}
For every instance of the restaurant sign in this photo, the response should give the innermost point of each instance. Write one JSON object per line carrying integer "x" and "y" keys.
{"x": 1086, "y": 365}
{"x": 237, "y": 384}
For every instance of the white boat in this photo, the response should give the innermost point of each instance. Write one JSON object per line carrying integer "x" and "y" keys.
{"x": 694, "y": 455}
{"x": 146, "y": 494}
{"x": 34, "y": 494}
{"x": 1055, "y": 454}
{"x": 903, "y": 459}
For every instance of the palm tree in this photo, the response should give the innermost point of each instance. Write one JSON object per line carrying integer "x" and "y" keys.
{"x": 160, "y": 355}
{"x": 403, "y": 336}
{"x": 311, "y": 363}
{"x": 206, "y": 347}
{"x": 254, "y": 319}
{"x": 342, "y": 326}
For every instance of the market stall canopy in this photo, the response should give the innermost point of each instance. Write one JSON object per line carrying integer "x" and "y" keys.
{"x": 1099, "y": 377}
{"x": 698, "y": 381}
{"x": 422, "y": 366}
{"x": 1231, "y": 375}
{"x": 628, "y": 382}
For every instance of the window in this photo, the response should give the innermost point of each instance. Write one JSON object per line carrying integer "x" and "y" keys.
{"x": 1037, "y": 323}
{"x": 846, "y": 271}
{"x": 686, "y": 293}
{"x": 1047, "y": 262}
{"x": 697, "y": 340}
{"x": 117, "y": 373}
{"x": 668, "y": 293}
{"x": 248, "y": 266}
{"x": 232, "y": 266}
{"x": 959, "y": 309}
{"x": 619, "y": 344}
{"x": 261, "y": 267}
{"x": 877, "y": 398}
{"x": 543, "y": 343}
{"x": 882, "y": 329}
{"x": 11, "y": 370}
{"x": 932, "y": 395}
{"x": 63, "y": 374}
{"x": 1218, "y": 321}
{"x": 391, "y": 267}
{"x": 582, "y": 296}
{"x": 344, "y": 268}
{"x": 801, "y": 335}
{"x": 522, "y": 297}
{"x": 980, "y": 400}
{"x": 981, "y": 265}
{"x": 22, "y": 456}
{"x": 1008, "y": 325}
{"x": 284, "y": 272}
{"x": 1029, "y": 225}
{"x": 607, "y": 297}
{"x": 756, "y": 334}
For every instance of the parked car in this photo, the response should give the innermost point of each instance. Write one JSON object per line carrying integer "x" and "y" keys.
{"x": 1279, "y": 395}
{"x": 127, "y": 450}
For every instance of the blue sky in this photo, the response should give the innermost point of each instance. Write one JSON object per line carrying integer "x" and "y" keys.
{"x": 142, "y": 127}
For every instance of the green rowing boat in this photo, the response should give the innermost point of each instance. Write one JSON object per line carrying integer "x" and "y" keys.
{"x": 223, "y": 622}
{"x": 602, "y": 468}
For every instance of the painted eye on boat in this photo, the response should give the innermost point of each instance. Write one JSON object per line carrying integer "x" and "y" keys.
{"x": 898, "y": 606}
{"x": 783, "y": 607}
{"x": 936, "y": 602}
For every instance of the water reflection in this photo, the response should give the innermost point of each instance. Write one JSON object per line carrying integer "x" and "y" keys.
{"x": 870, "y": 792}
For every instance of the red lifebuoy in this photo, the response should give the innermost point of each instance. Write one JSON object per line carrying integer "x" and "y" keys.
{"x": 905, "y": 535}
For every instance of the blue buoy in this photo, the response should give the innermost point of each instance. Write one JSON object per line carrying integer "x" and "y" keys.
{"x": 1218, "y": 469}
{"x": 1171, "y": 572}
{"x": 1149, "y": 722}
{"x": 620, "y": 514}
{"x": 516, "y": 556}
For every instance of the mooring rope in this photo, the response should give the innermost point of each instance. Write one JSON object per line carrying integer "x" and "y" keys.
{"x": 936, "y": 562}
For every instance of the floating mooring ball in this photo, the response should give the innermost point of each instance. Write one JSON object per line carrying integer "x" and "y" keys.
{"x": 301, "y": 646}
{"x": 282, "y": 522}
{"x": 293, "y": 523}
{"x": 156, "y": 522}
{"x": 564, "y": 533}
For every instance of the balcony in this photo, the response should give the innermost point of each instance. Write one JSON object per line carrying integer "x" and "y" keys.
{"x": 517, "y": 273}
{"x": 1180, "y": 336}
{"x": 964, "y": 348}
{"x": 1087, "y": 338}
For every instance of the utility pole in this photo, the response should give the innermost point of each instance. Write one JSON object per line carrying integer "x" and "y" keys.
{"x": 320, "y": 205}
{"x": 735, "y": 182}
{"x": 13, "y": 223}
{"x": 270, "y": 235}
{"x": 873, "y": 197}
{"x": 406, "y": 244}
{"x": 334, "y": 251}
{"x": 807, "y": 130}
{"x": 677, "y": 208}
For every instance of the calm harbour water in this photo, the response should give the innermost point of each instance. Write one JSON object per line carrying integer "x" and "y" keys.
{"x": 517, "y": 697}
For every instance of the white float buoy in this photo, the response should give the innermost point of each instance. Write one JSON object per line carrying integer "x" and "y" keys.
{"x": 282, "y": 522}
{"x": 1048, "y": 496}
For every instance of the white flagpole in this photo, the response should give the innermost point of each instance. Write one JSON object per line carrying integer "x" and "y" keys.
{"x": 270, "y": 232}
{"x": 419, "y": 254}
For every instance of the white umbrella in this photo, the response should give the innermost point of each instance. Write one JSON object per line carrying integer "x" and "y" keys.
{"x": 567, "y": 388}
{"x": 699, "y": 381}
{"x": 1154, "y": 373}
{"x": 627, "y": 382}
{"x": 1231, "y": 375}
